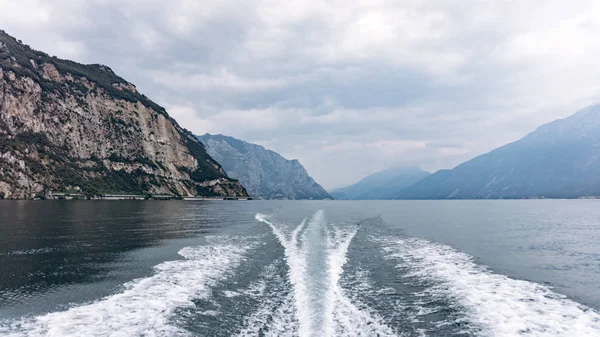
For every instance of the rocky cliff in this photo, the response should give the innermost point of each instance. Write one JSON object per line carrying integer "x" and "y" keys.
{"x": 265, "y": 173}
{"x": 70, "y": 127}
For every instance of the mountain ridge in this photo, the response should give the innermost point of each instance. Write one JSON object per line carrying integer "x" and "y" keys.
{"x": 559, "y": 159}
{"x": 265, "y": 173}
{"x": 385, "y": 184}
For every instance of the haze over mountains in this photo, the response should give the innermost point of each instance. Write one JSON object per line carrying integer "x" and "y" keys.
{"x": 385, "y": 184}
{"x": 79, "y": 128}
{"x": 65, "y": 126}
{"x": 560, "y": 159}
{"x": 265, "y": 173}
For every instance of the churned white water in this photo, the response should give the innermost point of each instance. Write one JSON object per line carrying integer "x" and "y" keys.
{"x": 498, "y": 305}
{"x": 275, "y": 316}
{"x": 145, "y": 307}
{"x": 320, "y": 278}
{"x": 316, "y": 253}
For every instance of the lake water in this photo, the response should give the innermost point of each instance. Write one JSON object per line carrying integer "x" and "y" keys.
{"x": 300, "y": 268}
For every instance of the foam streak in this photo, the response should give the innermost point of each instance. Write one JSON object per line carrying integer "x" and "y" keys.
{"x": 145, "y": 307}
{"x": 498, "y": 305}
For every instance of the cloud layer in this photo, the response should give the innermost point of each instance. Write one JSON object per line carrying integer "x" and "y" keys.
{"x": 348, "y": 88}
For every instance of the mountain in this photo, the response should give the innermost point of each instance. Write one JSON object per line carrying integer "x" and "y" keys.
{"x": 384, "y": 184}
{"x": 560, "y": 159}
{"x": 265, "y": 173}
{"x": 70, "y": 127}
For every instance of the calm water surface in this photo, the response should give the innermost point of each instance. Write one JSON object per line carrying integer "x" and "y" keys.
{"x": 293, "y": 268}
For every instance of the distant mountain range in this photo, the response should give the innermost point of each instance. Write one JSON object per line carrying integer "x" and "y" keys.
{"x": 560, "y": 159}
{"x": 385, "y": 184}
{"x": 264, "y": 173}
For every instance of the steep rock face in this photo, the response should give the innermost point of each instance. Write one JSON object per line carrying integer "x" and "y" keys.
{"x": 560, "y": 159}
{"x": 264, "y": 173}
{"x": 385, "y": 184}
{"x": 71, "y": 127}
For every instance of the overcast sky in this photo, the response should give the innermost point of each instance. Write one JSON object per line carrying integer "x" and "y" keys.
{"x": 346, "y": 87}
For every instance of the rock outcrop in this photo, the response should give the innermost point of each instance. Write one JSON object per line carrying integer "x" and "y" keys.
{"x": 65, "y": 126}
{"x": 265, "y": 173}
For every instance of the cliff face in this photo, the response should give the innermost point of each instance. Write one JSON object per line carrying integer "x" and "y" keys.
{"x": 265, "y": 173}
{"x": 71, "y": 127}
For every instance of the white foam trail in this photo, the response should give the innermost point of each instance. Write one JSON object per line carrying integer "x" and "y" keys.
{"x": 273, "y": 319}
{"x": 36, "y": 251}
{"x": 337, "y": 247}
{"x": 276, "y": 313}
{"x": 316, "y": 255}
{"x": 370, "y": 323}
{"x": 498, "y": 305}
{"x": 145, "y": 307}
{"x": 348, "y": 317}
{"x": 296, "y": 260}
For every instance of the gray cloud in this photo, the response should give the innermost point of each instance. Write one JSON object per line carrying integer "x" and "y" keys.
{"x": 347, "y": 88}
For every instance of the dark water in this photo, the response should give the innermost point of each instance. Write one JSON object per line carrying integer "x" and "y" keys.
{"x": 290, "y": 268}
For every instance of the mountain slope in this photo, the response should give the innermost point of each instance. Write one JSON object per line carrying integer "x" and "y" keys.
{"x": 384, "y": 184}
{"x": 560, "y": 159}
{"x": 265, "y": 173}
{"x": 65, "y": 126}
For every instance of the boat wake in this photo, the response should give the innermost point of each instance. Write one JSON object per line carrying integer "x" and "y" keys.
{"x": 301, "y": 283}
{"x": 315, "y": 253}
{"x": 494, "y": 305}
{"x": 146, "y": 305}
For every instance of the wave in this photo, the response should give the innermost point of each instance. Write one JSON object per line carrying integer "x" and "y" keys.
{"x": 495, "y": 304}
{"x": 316, "y": 253}
{"x": 145, "y": 306}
